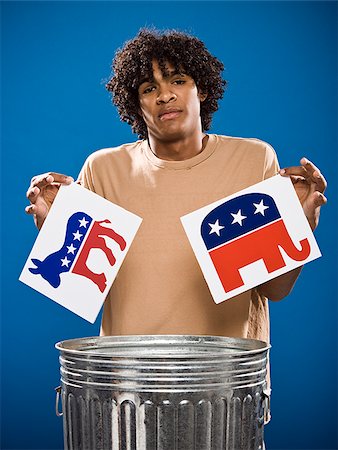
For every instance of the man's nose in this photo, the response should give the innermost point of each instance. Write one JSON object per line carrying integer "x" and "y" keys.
{"x": 165, "y": 95}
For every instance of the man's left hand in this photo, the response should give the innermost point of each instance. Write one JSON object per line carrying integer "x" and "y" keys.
{"x": 310, "y": 186}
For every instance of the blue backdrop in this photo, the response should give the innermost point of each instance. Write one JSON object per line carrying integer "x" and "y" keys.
{"x": 281, "y": 64}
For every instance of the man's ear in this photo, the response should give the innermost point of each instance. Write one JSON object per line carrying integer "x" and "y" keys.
{"x": 202, "y": 96}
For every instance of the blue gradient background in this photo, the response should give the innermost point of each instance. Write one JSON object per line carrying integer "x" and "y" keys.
{"x": 281, "y": 64}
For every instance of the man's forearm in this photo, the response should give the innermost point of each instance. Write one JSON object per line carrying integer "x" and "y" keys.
{"x": 281, "y": 286}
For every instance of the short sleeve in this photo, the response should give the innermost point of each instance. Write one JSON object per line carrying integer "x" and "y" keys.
{"x": 271, "y": 164}
{"x": 85, "y": 178}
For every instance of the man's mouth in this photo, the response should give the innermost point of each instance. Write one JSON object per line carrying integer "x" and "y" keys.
{"x": 169, "y": 114}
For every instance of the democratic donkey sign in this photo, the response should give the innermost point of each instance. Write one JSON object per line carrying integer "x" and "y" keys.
{"x": 251, "y": 237}
{"x": 79, "y": 250}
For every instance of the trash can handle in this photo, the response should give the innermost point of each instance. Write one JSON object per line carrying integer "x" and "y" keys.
{"x": 57, "y": 401}
{"x": 266, "y": 404}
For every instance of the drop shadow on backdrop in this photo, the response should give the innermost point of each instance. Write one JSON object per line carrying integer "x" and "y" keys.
{"x": 281, "y": 64}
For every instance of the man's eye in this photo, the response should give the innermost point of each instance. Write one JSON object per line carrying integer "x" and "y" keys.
{"x": 148, "y": 89}
{"x": 179, "y": 81}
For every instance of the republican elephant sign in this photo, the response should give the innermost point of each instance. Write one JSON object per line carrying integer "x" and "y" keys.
{"x": 79, "y": 250}
{"x": 251, "y": 237}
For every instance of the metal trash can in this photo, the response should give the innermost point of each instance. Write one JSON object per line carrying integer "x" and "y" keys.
{"x": 163, "y": 393}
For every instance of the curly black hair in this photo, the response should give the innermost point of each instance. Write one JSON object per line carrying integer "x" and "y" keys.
{"x": 133, "y": 63}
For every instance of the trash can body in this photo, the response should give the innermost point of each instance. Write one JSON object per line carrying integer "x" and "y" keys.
{"x": 163, "y": 393}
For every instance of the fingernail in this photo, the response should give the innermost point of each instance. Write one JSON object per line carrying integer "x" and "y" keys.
{"x": 282, "y": 171}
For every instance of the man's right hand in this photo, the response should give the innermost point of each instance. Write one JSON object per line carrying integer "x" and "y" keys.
{"x": 41, "y": 194}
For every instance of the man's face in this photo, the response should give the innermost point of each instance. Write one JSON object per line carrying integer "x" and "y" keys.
{"x": 170, "y": 105}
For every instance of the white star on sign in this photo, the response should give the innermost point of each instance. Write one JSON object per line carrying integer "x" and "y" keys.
{"x": 215, "y": 227}
{"x": 65, "y": 262}
{"x": 77, "y": 236}
{"x": 83, "y": 222}
{"x": 260, "y": 207}
{"x": 71, "y": 249}
{"x": 238, "y": 218}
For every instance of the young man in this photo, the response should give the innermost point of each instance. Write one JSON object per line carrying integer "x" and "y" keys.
{"x": 167, "y": 86}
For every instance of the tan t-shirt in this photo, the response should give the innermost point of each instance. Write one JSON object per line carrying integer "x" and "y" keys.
{"x": 160, "y": 288}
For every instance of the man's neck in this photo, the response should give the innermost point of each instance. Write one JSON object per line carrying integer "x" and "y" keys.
{"x": 178, "y": 150}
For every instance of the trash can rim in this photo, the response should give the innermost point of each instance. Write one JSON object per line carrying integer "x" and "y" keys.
{"x": 91, "y": 345}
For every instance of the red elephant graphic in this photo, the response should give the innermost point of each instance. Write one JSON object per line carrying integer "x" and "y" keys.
{"x": 246, "y": 229}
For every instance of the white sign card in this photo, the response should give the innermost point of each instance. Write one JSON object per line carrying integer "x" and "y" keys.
{"x": 79, "y": 250}
{"x": 248, "y": 238}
